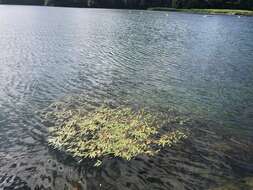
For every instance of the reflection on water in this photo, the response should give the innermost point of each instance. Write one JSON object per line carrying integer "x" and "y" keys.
{"x": 201, "y": 67}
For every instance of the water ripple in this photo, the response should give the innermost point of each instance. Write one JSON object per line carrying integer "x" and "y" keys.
{"x": 202, "y": 67}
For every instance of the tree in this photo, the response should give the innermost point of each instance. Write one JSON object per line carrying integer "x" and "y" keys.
{"x": 246, "y": 4}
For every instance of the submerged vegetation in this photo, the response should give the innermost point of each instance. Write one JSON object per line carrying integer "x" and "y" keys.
{"x": 117, "y": 132}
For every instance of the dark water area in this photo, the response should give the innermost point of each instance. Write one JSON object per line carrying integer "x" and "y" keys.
{"x": 202, "y": 67}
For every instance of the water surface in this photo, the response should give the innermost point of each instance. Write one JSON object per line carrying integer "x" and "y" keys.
{"x": 200, "y": 66}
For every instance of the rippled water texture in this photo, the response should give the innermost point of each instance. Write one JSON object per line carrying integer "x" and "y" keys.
{"x": 200, "y": 66}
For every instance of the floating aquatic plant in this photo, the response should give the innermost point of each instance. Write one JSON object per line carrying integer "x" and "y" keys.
{"x": 118, "y": 132}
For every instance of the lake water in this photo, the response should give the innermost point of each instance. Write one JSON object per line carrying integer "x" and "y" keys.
{"x": 200, "y": 66}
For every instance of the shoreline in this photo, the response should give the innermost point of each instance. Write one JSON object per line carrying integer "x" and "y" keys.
{"x": 206, "y": 11}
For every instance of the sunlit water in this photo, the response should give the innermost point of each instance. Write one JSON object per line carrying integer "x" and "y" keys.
{"x": 200, "y": 66}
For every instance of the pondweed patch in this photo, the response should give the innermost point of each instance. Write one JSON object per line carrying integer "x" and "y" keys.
{"x": 117, "y": 132}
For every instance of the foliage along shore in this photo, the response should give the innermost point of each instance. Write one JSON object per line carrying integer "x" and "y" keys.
{"x": 206, "y": 11}
{"x": 141, "y": 4}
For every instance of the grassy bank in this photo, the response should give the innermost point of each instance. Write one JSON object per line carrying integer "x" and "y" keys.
{"x": 206, "y": 11}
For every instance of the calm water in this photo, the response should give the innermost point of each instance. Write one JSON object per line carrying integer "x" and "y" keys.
{"x": 200, "y": 66}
